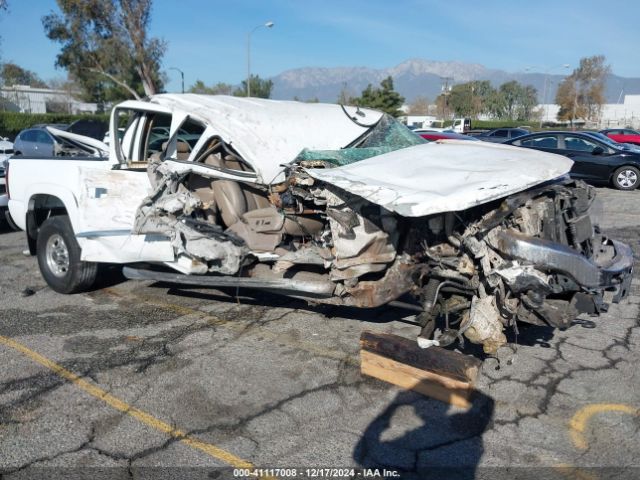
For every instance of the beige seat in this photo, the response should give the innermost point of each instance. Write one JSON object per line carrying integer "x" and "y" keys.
{"x": 233, "y": 199}
{"x": 182, "y": 152}
{"x": 246, "y": 210}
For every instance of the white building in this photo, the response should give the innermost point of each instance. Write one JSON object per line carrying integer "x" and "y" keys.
{"x": 626, "y": 114}
{"x": 417, "y": 121}
{"x": 622, "y": 114}
{"x": 26, "y": 99}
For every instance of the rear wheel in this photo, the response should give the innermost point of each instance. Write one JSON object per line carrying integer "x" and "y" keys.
{"x": 626, "y": 178}
{"x": 59, "y": 258}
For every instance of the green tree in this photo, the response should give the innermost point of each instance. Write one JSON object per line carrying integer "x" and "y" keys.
{"x": 12, "y": 74}
{"x": 515, "y": 101}
{"x": 260, "y": 88}
{"x": 461, "y": 99}
{"x": 219, "y": 88}
{"x": 581, "y": 94}
{"x": 384, "y": 98}
{"x": 468, "y": 99}
{"x": 105, "y": 46}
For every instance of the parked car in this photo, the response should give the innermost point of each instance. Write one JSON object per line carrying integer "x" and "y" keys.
{"x": 4, "y": 200}
{"x": 433, "y": 136}
{"x": 596, "y": 159}
{"x": 332, "y": 204}
{"x": 630, "y": 147}
{"x": 46, "y": 142}
{"x": 623, "y": 135}
{"x": 6, "y": 150}
{"x": 500, "y": 135}
{"x": 35, "y": 142}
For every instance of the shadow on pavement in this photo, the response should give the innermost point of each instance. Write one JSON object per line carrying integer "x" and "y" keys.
{"x": 4, "y": 226}
{"x": 383, "y": 314}
{"x": 447, "y": 444}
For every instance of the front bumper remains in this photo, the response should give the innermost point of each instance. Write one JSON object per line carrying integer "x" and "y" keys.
{"x": 607, "y": 275}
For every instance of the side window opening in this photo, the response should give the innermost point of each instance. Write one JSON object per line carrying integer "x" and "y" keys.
{"x": 140, "y": 136}
{"x": 156, "y": 134}
{"x": 126, "y": 126}
{"x": 181, "y": 145}
{"x": 188, "y": 136}
{"x": 219, "y": 155}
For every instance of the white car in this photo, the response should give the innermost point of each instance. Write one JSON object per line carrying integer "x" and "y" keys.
{"x": 332, "y": 204}
{"x": 6, "y": 150}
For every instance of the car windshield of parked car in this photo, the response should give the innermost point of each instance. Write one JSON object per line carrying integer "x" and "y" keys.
{"x": 604, "y": 139}
{"x": 387, "y": 135}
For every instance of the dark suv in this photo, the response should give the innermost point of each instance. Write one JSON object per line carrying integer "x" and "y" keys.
{"x": 500, "y": 135}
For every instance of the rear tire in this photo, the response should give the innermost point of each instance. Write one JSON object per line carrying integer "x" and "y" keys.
{"x": 59, "y": 258}
{"x": 626, "y": 178}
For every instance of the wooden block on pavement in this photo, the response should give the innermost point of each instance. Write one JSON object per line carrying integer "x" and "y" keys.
{"x": 435, "y": 372}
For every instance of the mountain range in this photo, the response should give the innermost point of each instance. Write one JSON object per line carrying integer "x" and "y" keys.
{"x": 418, "y": 77}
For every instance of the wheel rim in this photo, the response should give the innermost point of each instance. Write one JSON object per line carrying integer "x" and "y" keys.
{"x": 57, "y": 255}
{"x": 627, "y": 178}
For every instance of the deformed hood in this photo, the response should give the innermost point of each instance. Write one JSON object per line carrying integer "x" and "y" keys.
{"x": 444, "y": 176}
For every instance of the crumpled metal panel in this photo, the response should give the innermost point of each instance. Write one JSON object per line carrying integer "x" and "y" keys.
{"x": 270, "y": 133}
{"x": 446, "y": 176}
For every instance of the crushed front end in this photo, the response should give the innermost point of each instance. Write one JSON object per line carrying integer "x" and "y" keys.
{"x": 481, "y": 236}
{"x": 534, "y": 257}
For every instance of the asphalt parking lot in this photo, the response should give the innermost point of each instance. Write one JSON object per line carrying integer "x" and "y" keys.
{"x": 139, "y": 374}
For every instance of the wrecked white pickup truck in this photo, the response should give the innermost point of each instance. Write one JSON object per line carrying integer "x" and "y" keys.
{"x": 331, "y": 204}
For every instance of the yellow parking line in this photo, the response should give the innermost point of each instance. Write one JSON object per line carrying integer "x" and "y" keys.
{"x": 141, "y": 416}
{"x": 578, "y": 424}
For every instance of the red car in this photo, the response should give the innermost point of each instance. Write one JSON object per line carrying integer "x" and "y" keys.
{"x": 623, "y": 135}
{"x": 433, "y": 136}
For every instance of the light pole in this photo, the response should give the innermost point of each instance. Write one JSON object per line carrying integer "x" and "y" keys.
{"x": 445, "y": 88}
{"x": 267, "y": 25}
{"x": 181, "y": 75}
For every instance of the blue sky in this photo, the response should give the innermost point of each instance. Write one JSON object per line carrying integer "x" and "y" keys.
{"x": 207, "y": 38}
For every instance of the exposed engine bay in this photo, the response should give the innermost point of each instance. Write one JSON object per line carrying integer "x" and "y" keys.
{"x": 531, "y": 257}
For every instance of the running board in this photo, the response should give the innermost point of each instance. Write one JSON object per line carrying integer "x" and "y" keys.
{"x": 287, "y": 286}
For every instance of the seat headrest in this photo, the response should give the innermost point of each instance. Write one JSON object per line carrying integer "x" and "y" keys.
{"x": 181, "y": 147}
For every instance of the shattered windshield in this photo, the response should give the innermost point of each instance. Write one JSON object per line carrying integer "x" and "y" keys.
{"x": 387, "y": 135}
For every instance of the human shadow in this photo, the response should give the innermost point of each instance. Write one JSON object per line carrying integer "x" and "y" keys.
{"x": 448, "y": 444}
